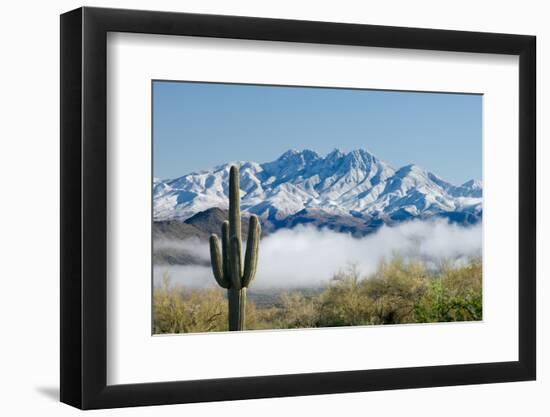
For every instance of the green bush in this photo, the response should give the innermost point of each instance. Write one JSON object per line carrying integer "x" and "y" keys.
{"x": 454, "y": 295}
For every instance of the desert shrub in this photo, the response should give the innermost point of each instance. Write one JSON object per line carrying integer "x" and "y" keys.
{"x": 399, "y": 291}
{"x": 394, "y": 289}
{"x": 402, "y": 291}
{"x": 455, "y": 295}
{"x": 263, "y": 318}
{"x": 180, "y": 310}
{"x": 463, "y": 280}
{"x": 344, "y": 302}
{"x": 293, "y": 310}
{"x": 297, "y": 311}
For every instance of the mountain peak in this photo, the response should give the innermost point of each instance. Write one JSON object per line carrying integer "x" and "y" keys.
{"x": 335, "y": 154}
{"x": 364, "y": 154}
{"x": 362, "y": 151}
{"x": 288, "y": 154}
{"x": 293, "y": 153}
{"x": 290, "y": 162}
{"x": 473, "y": 184}
{"x": 308, "y": 155}
{"x": 410, "y": 169}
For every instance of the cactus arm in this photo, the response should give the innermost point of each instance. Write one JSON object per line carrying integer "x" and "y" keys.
{"x": 251, "y": 255}
{"x": 217, "y": 262}
{"x": 236, "y": 263}
{"x": 226, "y": 252}
{"x": 234, "y": 202}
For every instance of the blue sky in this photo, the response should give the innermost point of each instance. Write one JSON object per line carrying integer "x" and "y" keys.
{"x": 199, "y": 125}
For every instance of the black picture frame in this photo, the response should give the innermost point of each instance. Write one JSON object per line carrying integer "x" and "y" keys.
{"x": 84, "y": 207}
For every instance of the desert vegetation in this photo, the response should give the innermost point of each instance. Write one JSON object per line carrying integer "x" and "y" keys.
{"x": 400, "y": 291}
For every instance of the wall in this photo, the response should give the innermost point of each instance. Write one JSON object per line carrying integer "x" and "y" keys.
{"x": 29, "y": 214}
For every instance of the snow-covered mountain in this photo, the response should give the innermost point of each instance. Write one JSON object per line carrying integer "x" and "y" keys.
{"x": 303, "y": 186}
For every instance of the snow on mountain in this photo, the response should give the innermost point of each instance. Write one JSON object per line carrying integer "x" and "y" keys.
{"x": 355, "y": 184}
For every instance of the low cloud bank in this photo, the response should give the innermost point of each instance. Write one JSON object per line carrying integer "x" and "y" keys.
{"x": 308, "y": 257}
{"x": 192, "y": 246}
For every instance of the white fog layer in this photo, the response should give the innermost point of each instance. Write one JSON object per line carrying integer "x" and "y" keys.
{"x": 309, "y": 257}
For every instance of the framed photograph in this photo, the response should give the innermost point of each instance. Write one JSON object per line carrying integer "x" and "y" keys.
{"x": 257, "y": 208}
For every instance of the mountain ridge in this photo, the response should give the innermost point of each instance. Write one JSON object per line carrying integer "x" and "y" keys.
{"x": 356, "y": 184}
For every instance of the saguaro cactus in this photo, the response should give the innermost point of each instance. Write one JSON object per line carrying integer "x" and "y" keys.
{"x": 227, "y": 263}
